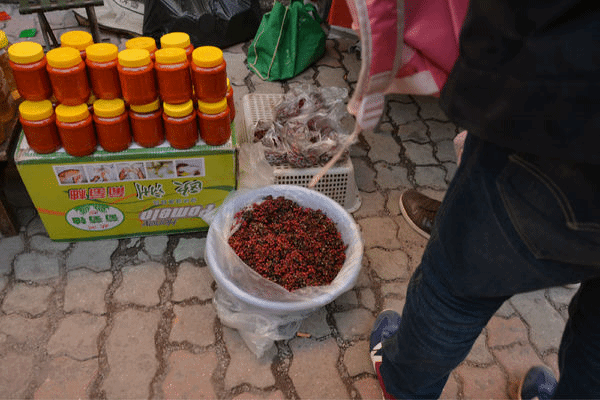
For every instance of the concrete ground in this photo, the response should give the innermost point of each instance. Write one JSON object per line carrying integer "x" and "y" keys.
{"x": 134, "y": 318}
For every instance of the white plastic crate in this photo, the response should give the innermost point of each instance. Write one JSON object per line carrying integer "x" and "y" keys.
{"x": 338, "y": 183}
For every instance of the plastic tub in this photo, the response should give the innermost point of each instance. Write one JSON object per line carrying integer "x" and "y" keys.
{"x": 261, "y": 310}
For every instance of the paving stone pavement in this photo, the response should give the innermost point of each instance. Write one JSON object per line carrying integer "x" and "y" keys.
{"x": 133, "y": 318}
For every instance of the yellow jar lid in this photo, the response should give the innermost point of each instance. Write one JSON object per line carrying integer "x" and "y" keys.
{"x": 175, "y": 39}
{"x": 170, "y": 55}
{"x": 79, "y": 40}
{"x": 3, "y": 40}
{"x": 25, "y": 52}
{"x": 36, "y": 110}
{"x": 63, "y": 57}
{"x": 146, "y": 108}
{"x": 109, "y": 108}
{"x": 212, "y": 108}
{"x": 134, "y": 57}
{"x": 141, "y": 42}
{"x": 102, "y": 52}
{"x": 178, "y": 110}
{"x": 207, "y": 56}
{"x": 72, "y": 113}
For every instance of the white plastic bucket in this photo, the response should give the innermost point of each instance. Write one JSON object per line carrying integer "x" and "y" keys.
{"x": 246, "y": 286}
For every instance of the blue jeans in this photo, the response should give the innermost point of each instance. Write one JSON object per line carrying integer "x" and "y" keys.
{"x": 509, "y": 223}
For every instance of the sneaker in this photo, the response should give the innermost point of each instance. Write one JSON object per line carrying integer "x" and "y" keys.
{"x": 539, "y": 382}
{"x": 419, "y": 211}
{"x": 386, "y": 324}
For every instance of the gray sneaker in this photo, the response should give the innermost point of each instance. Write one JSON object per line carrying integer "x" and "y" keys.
{"x": 539, "y": 383}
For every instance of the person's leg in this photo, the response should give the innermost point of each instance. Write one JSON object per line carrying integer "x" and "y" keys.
{"x": 476, "y": 258}
{"x": 437, "y": 332}
{"x": 579, "y": 354}
{"x": 439, "y": 325}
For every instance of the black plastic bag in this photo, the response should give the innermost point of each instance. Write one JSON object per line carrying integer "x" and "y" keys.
{"x": 219, "y": 23}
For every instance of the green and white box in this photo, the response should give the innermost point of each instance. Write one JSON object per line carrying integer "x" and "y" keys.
{"x": 137, "y": 192}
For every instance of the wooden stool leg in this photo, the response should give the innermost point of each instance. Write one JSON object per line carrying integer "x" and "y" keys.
{"x": 95, "y": 30}
{"x": 47, "y": 31}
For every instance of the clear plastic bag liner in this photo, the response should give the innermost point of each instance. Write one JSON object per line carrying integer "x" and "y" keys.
{"x": 255, "y": 305}
{"x": 254, "y": 170}
{"x": 259, "y": 330}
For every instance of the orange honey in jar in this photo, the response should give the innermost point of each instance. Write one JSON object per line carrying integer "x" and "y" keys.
{"x": 112, "y": 124}
{"x": 28, "y": 64}
{"x": 178, "y": 39}
{"x": 214, "y": 122}
{"x": 209, "y": 74}
{"x": 136, "y": 73}
{"x": 68, "y": 76}
{"x": 142, "y": 42}
{"x": 181, "y": 127}
{"x": 147, "y": 124}
{"x": 76, "y": 129}
{"x": 39, "y": 126}
{"x": 173, "y": 75}
{"x": 102, "y": 69}
{"x": 79, "y": 40}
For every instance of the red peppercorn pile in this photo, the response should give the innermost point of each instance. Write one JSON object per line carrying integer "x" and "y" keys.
{"x": 290, "y": 245}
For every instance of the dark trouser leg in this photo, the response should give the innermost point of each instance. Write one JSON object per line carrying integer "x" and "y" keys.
{"x": 497, "y": 233}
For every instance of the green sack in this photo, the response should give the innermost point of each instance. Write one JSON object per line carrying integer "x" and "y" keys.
{"x": 288, "y": 40}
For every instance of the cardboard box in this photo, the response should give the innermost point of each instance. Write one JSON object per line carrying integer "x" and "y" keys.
{"x": 137, "y": 192}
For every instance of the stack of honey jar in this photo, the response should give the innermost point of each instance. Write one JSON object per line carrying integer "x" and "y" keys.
{"x": 110, "y": 97}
